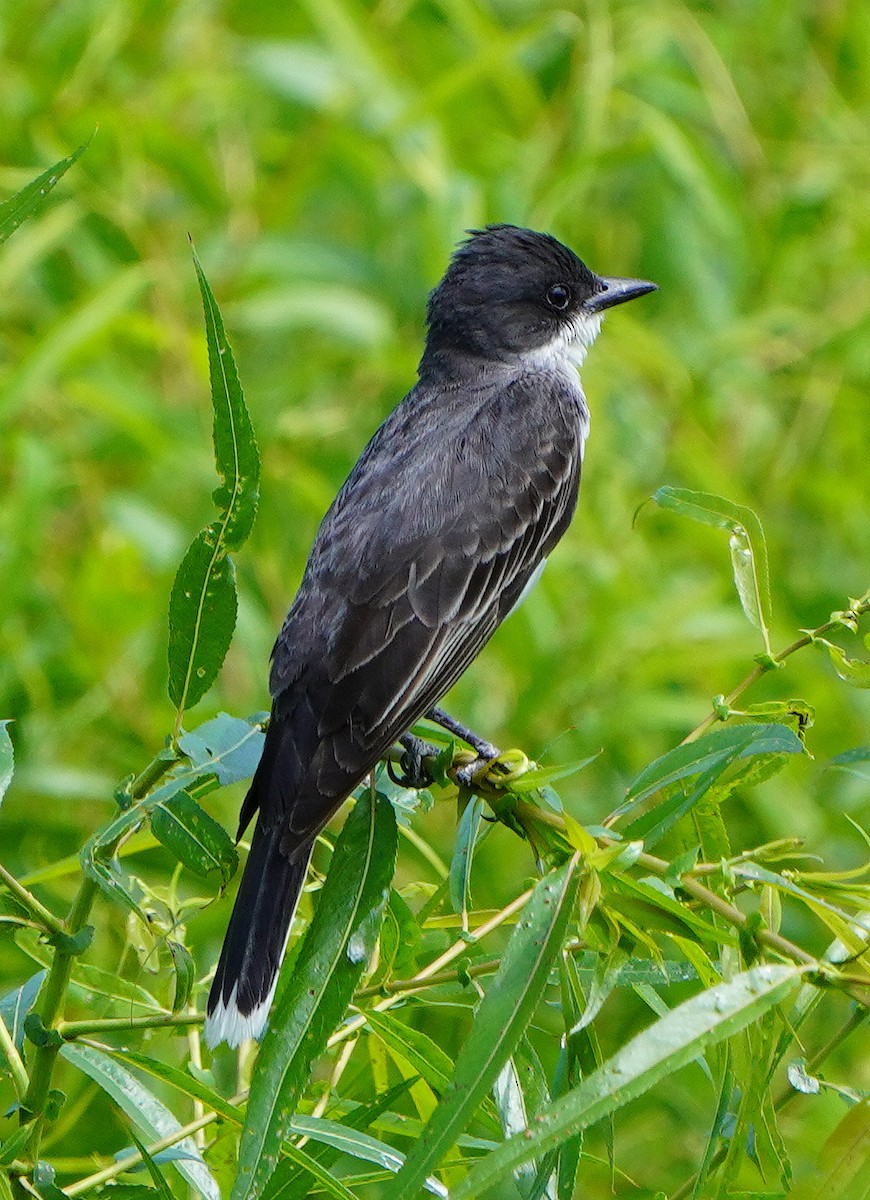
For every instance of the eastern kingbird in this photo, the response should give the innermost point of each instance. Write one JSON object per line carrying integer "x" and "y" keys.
{"x": 440, "y": 528}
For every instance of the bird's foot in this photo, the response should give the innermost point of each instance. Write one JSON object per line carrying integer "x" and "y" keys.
{"x": 414, "y": 772}
{"x": 479, "y": 765}
{"x": 485, "y": 749}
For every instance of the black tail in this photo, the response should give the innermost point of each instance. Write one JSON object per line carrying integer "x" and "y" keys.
{"x": 247, "y": 973}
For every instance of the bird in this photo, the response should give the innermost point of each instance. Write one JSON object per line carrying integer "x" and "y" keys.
{"x": 441, "y": 528}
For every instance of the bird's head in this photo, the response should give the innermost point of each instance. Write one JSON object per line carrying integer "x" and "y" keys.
{"x": 511, "y": 294}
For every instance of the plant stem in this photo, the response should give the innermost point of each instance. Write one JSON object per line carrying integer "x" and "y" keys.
{"x": 858, "y": 610}
{"x": 49, "y": 922}
{"x": 70, "y": 1030}
{"x": 54, "y": 991}
{"x": 17, "y": 1069}
{"x": 133, "y": 1159}
{"x": 50, "y": 1010}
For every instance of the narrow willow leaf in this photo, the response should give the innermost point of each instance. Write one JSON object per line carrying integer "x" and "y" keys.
{"x": 184, "y": 973}
{"x": 202, "y": 607}
{"x": 202, "y": 617}
{"x": 670, "y": 1043}
{"x": 148, "y": 1113}
{"x": 337, "y": 945}
{"x": 290, "y": 1180}
{"x": 425, "y": 1056}
{"x": 181, "y": 1081}
{"x": 467, "y": 834}
{"x": 854, "y": 671}
{"x": 499, "y": 1023}
{"x": 229, "y": 753}
{"x": 357, "y": 1144}
{"x": 31, "y": 199}
{"x": 235, "y": 446}
{"x": 540, "y": 777}
{"x": 195, "y": 838}
{"x": 162, "y": 1187}
{"x": 16, "y": 1004}
{"x": 747, "y": 544}
{"x": 329, "y": 1183}
{"x": 708, "y": 759}
{"x": 843, "y": 1172}
{"x": 6, "y": 758}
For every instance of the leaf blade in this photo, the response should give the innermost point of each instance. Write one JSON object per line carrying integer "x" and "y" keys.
{"x": 499, "y": 1023}
{"x": 325, "y": 973}
{"x": 668, "y": 1044}
{"x": 33, "y": 197}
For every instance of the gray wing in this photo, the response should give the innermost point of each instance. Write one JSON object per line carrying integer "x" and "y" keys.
{"x": 426, "y": 550}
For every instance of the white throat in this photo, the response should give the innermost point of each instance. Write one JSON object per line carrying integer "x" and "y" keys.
{"x": 569, "y": 346}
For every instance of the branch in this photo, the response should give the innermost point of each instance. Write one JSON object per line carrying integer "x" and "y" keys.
{"x": 852, "y": 614}
{"x": 43, "y": 916}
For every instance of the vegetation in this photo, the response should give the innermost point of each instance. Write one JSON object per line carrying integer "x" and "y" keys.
{"x": 648, "y": 975}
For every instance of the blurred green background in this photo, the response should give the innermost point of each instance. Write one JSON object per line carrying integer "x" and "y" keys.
{"x": 326, "y": 156}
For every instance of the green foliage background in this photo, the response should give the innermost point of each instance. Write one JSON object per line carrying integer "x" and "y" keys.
{"x": 326, "y": 156}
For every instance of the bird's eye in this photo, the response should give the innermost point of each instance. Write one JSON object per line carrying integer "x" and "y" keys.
{"x": 558, "y": 296}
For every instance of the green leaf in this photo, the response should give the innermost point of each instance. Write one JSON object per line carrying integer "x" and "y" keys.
{"x": 670, "y": 1043}
{"x": 189, "y": 1085}
{"x": 90, "y": 981}
{"x": 337, "y": 945}
{"x": 149, "y": 1114}
{"x": 195, "y": 838}
{"x": 7, "y": 760}
{"x": 356, "y": 1144}
{"x": 843, "y": 1172}
{"x": 202, "y": 617}
{"x": 13, "y": 1146}
{"x": 235, "y": 446}
{"x": 160, "y": 1184}
{"x": 499, "y": 1022}
{"x": 15, "y": 1006}
{"x": 43, "y": 1177}
{"x": 227, "y": 746}
{"x": 31, "y": 199}
{"x": 747, "y": 544}
{"x": 202, "y": 607}
{"x": 854, "y": 671}
{"x": 467, "y": 835}
{"x": 184, "y": 972}
{"x": 540, "y": 777}
{"x": 707, "y": 759}
{"x": 423, "y": 1055}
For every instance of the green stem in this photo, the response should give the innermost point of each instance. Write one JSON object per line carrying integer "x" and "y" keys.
{"x": 49, "y": 922}
{"x": 54, "y": 991}
{"x": 17, "y": 1069}
{"x": 134, "y": 1159}
{"x": 51, "y": 1006}
{"x": 70, "y": 1030}
{"x": 855, "y": 613}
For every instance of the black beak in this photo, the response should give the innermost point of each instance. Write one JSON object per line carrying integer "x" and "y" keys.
{"x": 617, "y": 291}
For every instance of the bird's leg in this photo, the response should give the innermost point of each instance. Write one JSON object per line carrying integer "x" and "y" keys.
{"x": 413, "y": 769}
{"x": 486, "y": 751}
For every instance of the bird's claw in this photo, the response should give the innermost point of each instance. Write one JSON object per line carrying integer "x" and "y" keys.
{"x": 413, "y": 770}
